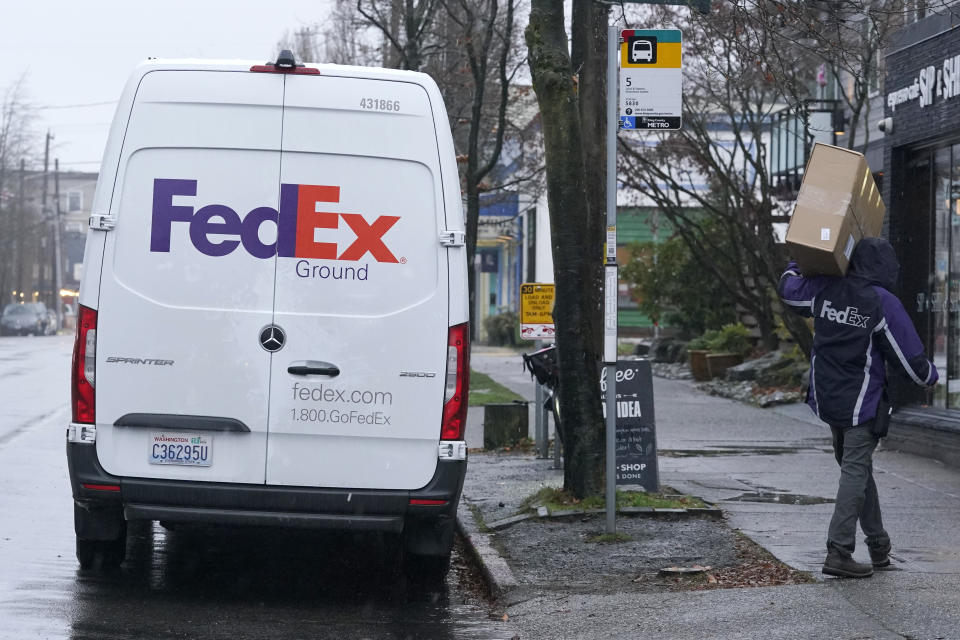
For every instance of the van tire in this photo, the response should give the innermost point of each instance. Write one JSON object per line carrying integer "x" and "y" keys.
{"x": 101, "y": 555}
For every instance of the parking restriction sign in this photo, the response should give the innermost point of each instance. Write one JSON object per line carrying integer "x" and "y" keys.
{"x": 536, "y": 311}
{"x": 651, "y": 79}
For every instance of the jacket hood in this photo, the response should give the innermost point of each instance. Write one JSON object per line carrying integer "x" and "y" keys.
{"x": 873, "y": 259}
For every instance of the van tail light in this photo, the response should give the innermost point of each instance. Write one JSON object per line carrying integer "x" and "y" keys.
{"x": 457, "y": 383}
{"x": 83, "y": 395}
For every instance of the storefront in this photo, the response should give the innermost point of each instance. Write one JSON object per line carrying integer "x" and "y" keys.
{"x": 921, "y": 185}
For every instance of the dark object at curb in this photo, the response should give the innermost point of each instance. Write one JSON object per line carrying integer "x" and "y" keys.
{"x": 845, "y": 567}
{"x": 506, "y": 522}
{"x": 504, "y": 424}
{"x": 683, "y": 571}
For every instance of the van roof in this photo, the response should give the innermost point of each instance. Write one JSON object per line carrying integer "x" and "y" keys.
{"x": 194, "y": 64}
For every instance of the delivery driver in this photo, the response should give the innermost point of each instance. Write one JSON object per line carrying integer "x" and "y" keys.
{"x": 859, "y": 328}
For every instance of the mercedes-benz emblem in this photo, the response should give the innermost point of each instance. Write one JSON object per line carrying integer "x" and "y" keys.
{"x": 272, "y": 338}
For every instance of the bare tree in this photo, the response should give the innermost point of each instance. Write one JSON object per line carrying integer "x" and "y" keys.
{"x": 487, "y": 43}
{"x": 405, "y": 27}
{"x": 16, "y": 149}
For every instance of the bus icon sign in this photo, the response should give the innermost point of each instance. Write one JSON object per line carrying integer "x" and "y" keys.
{"x": 643, "y": 50}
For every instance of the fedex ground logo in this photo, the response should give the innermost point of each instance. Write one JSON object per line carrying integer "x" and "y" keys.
{"x": 218, "y": 230}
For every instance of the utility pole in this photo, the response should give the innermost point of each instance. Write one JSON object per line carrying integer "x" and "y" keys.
{"x": 44, "y": 213}
{"x": 57, "y": 261}
{"x": 21, "y": 214}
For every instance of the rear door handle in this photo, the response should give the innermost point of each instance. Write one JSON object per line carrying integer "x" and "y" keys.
{"x": 313, "y": 368}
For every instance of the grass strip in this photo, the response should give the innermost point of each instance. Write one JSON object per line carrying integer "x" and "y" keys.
{"x": 556, "y": 499}
{"x": 485, "y": 390}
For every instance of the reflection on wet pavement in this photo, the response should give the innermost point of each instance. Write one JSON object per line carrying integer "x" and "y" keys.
{"x": 779, "y": 498}
{"x": 257, "y": 583}
{"x": 734, "y": 451}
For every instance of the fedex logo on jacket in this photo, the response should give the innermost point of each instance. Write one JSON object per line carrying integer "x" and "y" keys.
{"x": 297, "y": 220}
{"x": 848, "y": 316}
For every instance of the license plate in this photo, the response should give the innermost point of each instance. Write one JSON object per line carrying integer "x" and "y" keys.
{"x": 189, "y": 449}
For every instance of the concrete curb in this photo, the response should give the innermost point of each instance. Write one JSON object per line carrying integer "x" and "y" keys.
{"x": 543, "y": 512}
{"x": 496, "y": 571}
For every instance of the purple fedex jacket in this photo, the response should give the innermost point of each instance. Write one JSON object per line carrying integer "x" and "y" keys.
{"x": 859, "y": 326}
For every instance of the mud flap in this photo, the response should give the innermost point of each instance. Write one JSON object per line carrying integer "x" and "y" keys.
{"x": 428, "y": 536}
{"x": 98, "y": 521}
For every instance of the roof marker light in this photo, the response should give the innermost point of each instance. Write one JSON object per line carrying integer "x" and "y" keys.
{"x": 285, "y": 63}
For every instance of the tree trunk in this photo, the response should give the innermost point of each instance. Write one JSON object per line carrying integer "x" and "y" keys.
{"x": 589, "y": 61}
{"x": 473, "y": 222}
{"x": 574, "y": 258}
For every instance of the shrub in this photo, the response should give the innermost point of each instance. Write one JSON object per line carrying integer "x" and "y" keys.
{"x": 702, "y": 343}
{"x": 669, "y": 287}
{"x": 732, "y": 338}
{"x": 502, "y": 329}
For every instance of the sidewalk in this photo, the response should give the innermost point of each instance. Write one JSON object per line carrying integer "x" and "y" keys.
{"x": 773, "y": 474}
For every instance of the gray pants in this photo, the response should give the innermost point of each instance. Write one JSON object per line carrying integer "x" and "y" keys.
{"x": 857, "y": 496}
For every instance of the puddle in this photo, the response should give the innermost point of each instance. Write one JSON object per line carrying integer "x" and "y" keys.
{"x": 779, "y": 497}
{"x": 731, "y": 451}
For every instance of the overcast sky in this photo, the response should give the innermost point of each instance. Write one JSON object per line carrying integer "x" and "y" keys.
{"x": 80, "y": 53}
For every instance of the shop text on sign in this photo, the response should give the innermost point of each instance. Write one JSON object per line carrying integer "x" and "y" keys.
{"x": 931, "y": 84}
{"x": 536, "y": 311}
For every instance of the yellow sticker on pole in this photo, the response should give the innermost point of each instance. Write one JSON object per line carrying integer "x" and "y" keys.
{"x": 536, "y": 311}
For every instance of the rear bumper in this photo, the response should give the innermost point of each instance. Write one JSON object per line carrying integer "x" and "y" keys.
{"x": 263, "y": 505}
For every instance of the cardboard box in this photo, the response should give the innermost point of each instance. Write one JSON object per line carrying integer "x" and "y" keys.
{"x": 838, "y": 204}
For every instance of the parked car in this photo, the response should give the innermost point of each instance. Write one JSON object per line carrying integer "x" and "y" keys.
{"x": 272, "y": 326}
{"x": 25, "y": 318}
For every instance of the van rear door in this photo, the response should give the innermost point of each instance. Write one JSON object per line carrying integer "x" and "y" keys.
{"x": 187, "y": 284}
{"x": 361, "y": 288}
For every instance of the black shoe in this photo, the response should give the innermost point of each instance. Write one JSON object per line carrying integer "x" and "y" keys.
{"x": 845, "y": 567}
{"x": 880, "y": 557}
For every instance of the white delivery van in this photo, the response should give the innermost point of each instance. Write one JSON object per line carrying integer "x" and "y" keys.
{"x": 272, "y": 324}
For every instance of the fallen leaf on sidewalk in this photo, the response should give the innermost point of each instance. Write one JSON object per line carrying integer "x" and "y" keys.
{"x": 505, "y": 617}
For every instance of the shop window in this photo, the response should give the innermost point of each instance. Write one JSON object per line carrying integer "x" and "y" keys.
{"x": 935, "y": 303}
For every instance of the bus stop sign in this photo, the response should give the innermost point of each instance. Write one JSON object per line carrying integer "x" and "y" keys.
{"x": 651, "y": 79}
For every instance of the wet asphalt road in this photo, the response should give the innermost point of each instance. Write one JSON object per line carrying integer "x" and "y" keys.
{"x": 187, "y": 583}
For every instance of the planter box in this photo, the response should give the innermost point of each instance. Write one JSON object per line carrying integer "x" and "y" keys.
{"x": 718, "y": 363}
{"x": 698, "y": 364}
{"x": 504, "y": 424}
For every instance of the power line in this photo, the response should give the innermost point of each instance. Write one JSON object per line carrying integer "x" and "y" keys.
{"x": 77, "y": 106}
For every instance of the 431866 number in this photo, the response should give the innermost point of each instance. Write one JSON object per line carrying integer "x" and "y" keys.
{"x": 380, "y": 104}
